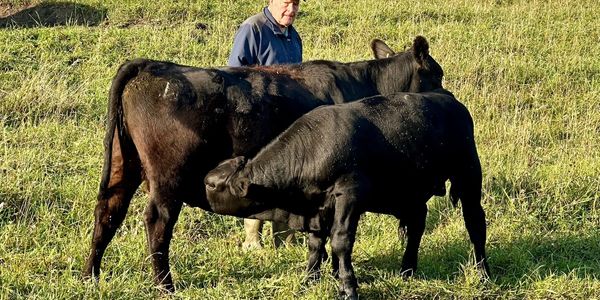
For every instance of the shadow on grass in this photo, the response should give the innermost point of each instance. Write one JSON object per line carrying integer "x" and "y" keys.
{"x": 526, "y": 258}
{"x": 48, "y": 14}
{"x": 242, "y": 269}
{"x": 511, "y": 263}
{"x": 523, "y": 260}
{"x": 559, "y": 254}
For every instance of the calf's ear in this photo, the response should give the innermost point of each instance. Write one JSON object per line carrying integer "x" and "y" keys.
{"x": 381, "y": 49}
{"x": 239, "y": 187}
{"x": 239, "y": 162}
{"x": 420, "y": 49}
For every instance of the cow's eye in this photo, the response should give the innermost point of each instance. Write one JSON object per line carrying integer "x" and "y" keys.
{"x": 211, "y": 186}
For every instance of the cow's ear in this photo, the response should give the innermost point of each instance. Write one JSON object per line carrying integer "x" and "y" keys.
{"x": 240, "y": 186}
{"x": 420, "y": 49}
{"x": 381, "y": 49}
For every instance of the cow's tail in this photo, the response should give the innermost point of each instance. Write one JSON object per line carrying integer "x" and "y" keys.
{"x": 115, "y": 121}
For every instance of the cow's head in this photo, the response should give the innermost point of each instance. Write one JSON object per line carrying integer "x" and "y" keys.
{"x": 424, "y": 72}
{"x": 230, "y": 192}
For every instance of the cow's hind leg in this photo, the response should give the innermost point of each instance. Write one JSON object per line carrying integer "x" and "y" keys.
{"x": 415, "y": 226}
{"x": 112, "y": 205}
{"x": 160, "y": 217}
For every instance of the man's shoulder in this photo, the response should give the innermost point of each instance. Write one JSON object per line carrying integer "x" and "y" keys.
{"x": 257, "y": 20}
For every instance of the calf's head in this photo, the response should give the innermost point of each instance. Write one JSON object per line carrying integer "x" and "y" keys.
{"x": 229, "y": 191}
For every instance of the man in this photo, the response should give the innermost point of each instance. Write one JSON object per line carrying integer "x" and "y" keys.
{"x": 268, "y": 38}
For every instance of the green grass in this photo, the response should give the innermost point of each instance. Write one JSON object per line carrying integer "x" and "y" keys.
{"x": 529, "y": 72}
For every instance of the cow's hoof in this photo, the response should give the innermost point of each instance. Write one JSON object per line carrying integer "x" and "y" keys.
{"x": 87, "y": 276}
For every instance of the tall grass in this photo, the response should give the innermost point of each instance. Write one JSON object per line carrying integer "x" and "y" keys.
{"x": 529, "y": 72}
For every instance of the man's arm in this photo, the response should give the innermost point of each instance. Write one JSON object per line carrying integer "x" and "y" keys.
{"x": 245, "y": 47}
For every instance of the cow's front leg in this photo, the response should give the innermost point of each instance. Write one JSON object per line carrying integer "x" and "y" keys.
{"x": 160, "y": 218}
{"x": 415, "y": 226}
{"x": 343, "y": 233}
{"x": 316, "y": 254}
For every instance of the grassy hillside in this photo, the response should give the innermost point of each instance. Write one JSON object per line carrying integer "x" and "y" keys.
{"x": 529, "y": 72}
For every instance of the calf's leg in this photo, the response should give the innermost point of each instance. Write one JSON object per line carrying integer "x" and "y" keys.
{"x": 316, "y": 254}
{"x": 467, "y": 187}
{"x": 474, "y": 218}
{"x": 343, "y": 233}
{"x": 335, "y": 266}
{"x": 415, "y": 226}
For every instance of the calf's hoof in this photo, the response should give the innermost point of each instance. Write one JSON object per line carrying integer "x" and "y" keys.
{"x": 483, "y": 270}
{"x": 348, "y": 295}
{"x": 168, "y": 290}
{"x": 407, "y": 272}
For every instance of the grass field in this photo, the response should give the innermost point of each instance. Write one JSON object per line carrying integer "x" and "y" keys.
{"x": 529, "y": 72}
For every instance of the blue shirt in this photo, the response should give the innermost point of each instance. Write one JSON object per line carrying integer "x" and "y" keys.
{"x": 260, "y": 41}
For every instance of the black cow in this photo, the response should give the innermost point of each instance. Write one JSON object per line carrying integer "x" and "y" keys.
{"x": 382, "y": 155}
{"x": 170, "y": 124}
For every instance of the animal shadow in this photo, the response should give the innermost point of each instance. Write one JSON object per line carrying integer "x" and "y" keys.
{"x": 49, "y": 14}
{"x": 534, "y": 256}
{"x": 565, "y": 253}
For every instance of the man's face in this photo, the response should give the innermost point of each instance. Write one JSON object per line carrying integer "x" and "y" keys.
{"x": 284, "y": 11}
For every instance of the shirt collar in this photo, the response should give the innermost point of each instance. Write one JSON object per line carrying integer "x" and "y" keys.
{"x": 273, "y": 24}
